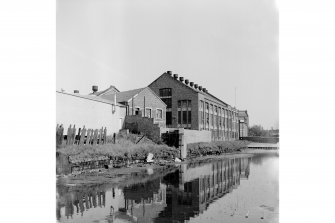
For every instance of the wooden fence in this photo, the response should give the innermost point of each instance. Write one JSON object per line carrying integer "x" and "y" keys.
{"x": 81, "y": 137}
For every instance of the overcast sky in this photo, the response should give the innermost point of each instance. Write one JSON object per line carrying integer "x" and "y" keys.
{"x": 219, "y": 44}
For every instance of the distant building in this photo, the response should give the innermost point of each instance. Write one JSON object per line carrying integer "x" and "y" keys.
{"x": 243, "y": 119}
{"x": 142, "y": 101}
{"x": 89, "y": 110}
{"x": 191, "y": 106}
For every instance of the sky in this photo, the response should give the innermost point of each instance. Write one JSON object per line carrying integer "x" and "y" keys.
{"x": 222, "y": 45}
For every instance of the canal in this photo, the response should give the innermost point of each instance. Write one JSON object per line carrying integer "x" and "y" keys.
{"x": 244, "y": 189}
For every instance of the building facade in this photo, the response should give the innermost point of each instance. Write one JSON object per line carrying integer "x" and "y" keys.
{"x": 89, "y": 111}
{"x": 243, "y": 119}
{"x": 191, "y": 106}
{"x": 142, "y": 101}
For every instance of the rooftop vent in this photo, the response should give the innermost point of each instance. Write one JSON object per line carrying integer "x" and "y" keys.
{"x": 191, "y": 84}
{"x": 175, "y": 76}
{"x": 196, "y": 86}
{"x": 76, "y": 91}
{"x": 181, "y": 79}
{"x": 200, "y": 88}
{"x": 94, "y": 88}
{"x": 187, "y": 81}
{"x": 169, "y": 72}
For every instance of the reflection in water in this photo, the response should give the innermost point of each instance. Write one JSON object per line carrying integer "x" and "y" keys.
{"x": 175, "y": 197}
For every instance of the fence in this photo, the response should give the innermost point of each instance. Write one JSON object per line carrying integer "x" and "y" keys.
{"x": 80, "y": 137}
{"x": 261, "y": 139}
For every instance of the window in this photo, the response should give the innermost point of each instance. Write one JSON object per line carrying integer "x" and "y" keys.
{"x": 137, "y": 111}
{"x": 168, "y": 102}
{"x": 148, "y": 112}
{"x": 179, "y": 117}
{"x": 159, "y": 114}
{"x": 165, "y": 92}
{"x": 184, "y": 117}
{"x": 169, "y": 118}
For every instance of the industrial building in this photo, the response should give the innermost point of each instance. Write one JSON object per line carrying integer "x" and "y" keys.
{"x": 243, "y": 119}
{"x": 191, "y": 106}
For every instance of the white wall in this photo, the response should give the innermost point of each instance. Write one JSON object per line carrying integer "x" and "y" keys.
{"x": 92, "y": 114}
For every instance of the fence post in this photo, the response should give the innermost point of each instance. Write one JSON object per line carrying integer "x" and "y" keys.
{"x": 88, "y": 138}
{"x": 105, "y": 135}
{"x": 73, "y": 135}
{"x": 77, "y": 137}
{"x": 82, "y": 137}
{"x": 68, "y": 135}
{"x": 95, "y": 137}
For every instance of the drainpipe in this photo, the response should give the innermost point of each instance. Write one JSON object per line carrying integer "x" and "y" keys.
{"x": 132, "y": 104}
{"x": 144, "y": 106}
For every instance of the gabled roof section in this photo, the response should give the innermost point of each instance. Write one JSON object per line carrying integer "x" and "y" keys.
{"x": 243, "y": 113}
{"x": 109, "y": 90}
{"x": 188, "y": 86}
{"x": 92, "y": 98}
{"x": 123, "y": 96}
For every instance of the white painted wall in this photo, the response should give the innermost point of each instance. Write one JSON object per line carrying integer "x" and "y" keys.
{"x": 80, "y": 111}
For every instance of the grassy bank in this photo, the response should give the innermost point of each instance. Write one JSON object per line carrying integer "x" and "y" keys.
{"x": 125, "y": 148}
{"x": 214, "y": 148}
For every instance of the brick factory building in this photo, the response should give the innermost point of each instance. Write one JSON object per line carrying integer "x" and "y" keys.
{"x": 243, "y": 119}
{"x": 191, "y": 106}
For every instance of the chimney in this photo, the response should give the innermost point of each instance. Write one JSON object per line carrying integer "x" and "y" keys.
{"x": 200, "y": 88}
{"x": 94, "y": 88}
{"x": 76, "y": 91}
{"x": 169, "y": 72}
{"x": 196, "y": 86}
{"x": 204, "y": 90}
{"x": 187, "y": 81}
{"x": 175, "y": 76}
{"x": 181, "y": 79}
{"x": 191, "y": 84}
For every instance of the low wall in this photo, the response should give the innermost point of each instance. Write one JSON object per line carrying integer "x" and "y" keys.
{"x": 193, "y": 136}
{"x": 261, "y": 139}
{"x": 143, "y": 125}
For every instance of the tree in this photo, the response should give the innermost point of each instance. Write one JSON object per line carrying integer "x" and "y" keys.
{"x": 257, "y": 130}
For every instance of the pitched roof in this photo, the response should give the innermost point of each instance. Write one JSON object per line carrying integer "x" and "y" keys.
{"x": 92, "y": 98}
{"x": 192, "y": 88}
{"x": 243, "y": 113}
{"x": 106, "y": 91}
{"x": 122, "y": 96}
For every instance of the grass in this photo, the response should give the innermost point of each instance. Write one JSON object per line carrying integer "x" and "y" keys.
{"x": 214, "y": 148}
{"x": 125, "y": 148}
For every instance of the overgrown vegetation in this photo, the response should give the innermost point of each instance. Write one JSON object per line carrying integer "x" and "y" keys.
{"x": 214, "y": 148}
{"x": 124, "y": 148}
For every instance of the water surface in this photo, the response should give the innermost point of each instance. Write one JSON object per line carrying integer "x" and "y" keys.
{"x": 228, "y": 190}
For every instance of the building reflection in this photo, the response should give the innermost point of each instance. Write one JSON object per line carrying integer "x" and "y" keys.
{"x": 78, "y": 202}
{"x": 175, "y": 197}
{"x": 185, "y": 193}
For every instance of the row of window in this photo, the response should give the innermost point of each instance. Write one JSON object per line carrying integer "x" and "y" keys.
{"x": 148, "y": 113}
{"x": 212, "y": 115}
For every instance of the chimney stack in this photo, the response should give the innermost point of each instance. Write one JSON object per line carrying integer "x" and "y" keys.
{"x": 169, "y": 72}
{"x": 191, "y": 84}
{"x": 181, "y": 79}
{"x": 94, "y": 88}
{"x": 204, "y": 90}
{"x": 187, "y": 81}
{"x": 76, "y": 91}
{"x": 175, "y": 76}
{"x": 200, "y": 88}
{"x": 196, "y": 86}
